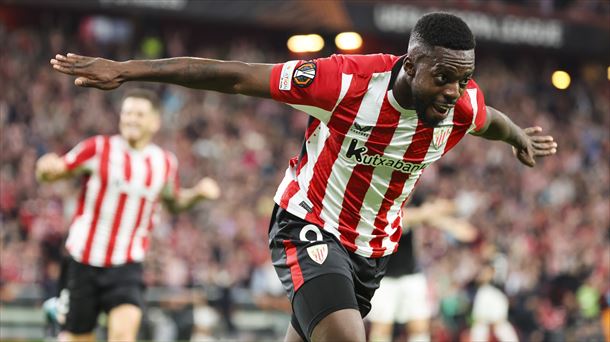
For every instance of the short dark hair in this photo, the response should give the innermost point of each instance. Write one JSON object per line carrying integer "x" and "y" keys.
{"x": 147, "y": 94}
{"x": 444, "y": 30}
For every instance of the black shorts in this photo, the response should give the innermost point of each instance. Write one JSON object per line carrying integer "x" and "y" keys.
{"x": 91, "y": 290}
{"x": 318, "y": 273}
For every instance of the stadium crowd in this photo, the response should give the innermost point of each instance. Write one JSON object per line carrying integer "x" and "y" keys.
{"x": 551, "y": 222}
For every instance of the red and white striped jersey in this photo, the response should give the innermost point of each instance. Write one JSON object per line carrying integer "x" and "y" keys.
{"x": 363, "y": 152}
{"x": 118, "y": 203}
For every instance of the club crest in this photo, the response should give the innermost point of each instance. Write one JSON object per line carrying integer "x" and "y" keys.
{"x": 440, "y": 136}
{"x": 304, "y": 75}
{"x": 318, "y": 253}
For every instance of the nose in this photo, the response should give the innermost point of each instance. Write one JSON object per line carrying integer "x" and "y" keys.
{"x": 451, "y": 92}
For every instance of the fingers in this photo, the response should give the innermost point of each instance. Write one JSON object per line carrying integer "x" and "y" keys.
{"x": 69, "y": 63}
{"x": 541, "y": 138}
{"x": 532, "y": 130}
{"x": 544, "y": 153}
{"x": 82, "y": 82}
{"x": 544, "y": 145}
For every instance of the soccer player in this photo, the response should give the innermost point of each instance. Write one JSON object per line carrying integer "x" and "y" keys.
{"x": 376, "y": 122}
{"x": 124, "y": 177}
{"x": 491, "y": 304}
{"x": 403, "y": 295}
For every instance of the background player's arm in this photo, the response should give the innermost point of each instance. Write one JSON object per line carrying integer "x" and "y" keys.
{"x": 440, "y": 214}
{"x": 526, "y": 144}
{"x": 51, "y": 167}
{"x": 200, "y": 73}
{"x": 186, "y": 198}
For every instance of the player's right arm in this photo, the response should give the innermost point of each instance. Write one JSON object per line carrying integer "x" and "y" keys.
{"x": 231, "y": 77}
{"x": 51, "y": 167}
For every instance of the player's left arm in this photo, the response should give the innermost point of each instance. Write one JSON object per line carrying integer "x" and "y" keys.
{"x": 527, "y": 143}
{"x": 185, "y": 198}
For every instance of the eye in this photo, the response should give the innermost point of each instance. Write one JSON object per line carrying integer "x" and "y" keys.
{"x": 464, "y": 82}
{"x": 441, "y": 78}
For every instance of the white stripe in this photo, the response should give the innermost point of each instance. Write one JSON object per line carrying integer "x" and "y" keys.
{"x": 472, "y": 94}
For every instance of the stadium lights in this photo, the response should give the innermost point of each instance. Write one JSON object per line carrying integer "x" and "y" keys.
{"x": 560, "y": 79}
{"x": 348, "y": 41}
{"x": 305, "y": 43}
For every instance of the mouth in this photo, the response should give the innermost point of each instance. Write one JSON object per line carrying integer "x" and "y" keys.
{"x": 441, "y": 108}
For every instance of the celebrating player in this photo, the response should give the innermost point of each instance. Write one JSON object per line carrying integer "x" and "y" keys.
{"x": 377, "y": 121}
{"x": 124, "y": 176}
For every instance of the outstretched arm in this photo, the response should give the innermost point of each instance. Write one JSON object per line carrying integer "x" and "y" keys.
{"x": 185, "y": 199}
{"x": 526, "y": 143}
{"x": 200, "y": 73}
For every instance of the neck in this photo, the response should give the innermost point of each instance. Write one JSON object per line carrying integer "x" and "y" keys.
{"x": 138, "y": 144}
{"x": 402, "y": 91}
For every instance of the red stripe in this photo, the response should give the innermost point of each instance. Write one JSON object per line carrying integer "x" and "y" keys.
{"x": 360, "y": 179}
{"x": 341, "y": 120}
{"x": 150, "y": 226}
{"x": 99, "y": 200}
{"x": 292, "y": 261}
{"x": 148, "y": 165}
{"x": 86, "y": 152}
{"x": 415, "y": 153}
{"x": 147, "y": 182}
{"x": 291, "y": 189}
{"x": 80, "y": 208}
{"x": 315, "y": 123}
{"x": 462, "y": 119}
{"x": 115, "y": 229}
{"x": 118, "y": 215}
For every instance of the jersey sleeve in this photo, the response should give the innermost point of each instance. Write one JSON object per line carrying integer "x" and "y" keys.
{"x": 312, "y": 86}
{"x": 82, "y": 155}
{"x": 471, "y": 106}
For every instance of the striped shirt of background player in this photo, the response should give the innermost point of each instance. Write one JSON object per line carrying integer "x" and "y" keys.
{"x": 119, "y": 198}
{"x": 361, "y": 204}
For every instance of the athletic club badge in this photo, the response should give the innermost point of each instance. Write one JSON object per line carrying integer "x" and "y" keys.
{"x": 440, "y": 136}
{"x": 318, "y": 253}
{"x": 304, "y": 74}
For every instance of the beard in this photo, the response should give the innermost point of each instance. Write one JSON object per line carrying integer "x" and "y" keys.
{"x": 424, "y": 109}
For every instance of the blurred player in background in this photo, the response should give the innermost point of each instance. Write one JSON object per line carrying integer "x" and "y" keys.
{"x": 490, "y": 307}
{"x": 377, "y": 121}
{"x": 403, "y": 296}
{"x": 124, "y": 177}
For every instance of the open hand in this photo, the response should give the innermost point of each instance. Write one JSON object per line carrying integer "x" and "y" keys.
{"x": 92, "y": 72}
{"x": 535, "y": 146}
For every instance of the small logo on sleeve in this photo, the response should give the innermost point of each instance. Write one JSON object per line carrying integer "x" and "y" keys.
{"x": 286, "y": 74}
{"x": 304, "y": 75}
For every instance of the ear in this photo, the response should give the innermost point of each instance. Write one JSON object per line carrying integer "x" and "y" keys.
{"x": 409, "y": 66}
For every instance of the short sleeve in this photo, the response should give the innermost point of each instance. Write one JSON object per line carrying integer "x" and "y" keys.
{"x": 472, "y": 106}
{"x": 81, "y": 155}
{"x": 313, "y": 86}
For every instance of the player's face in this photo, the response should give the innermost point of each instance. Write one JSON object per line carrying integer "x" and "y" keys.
{"x": 139, "y": 121}
{"x": 439, "y": 80}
